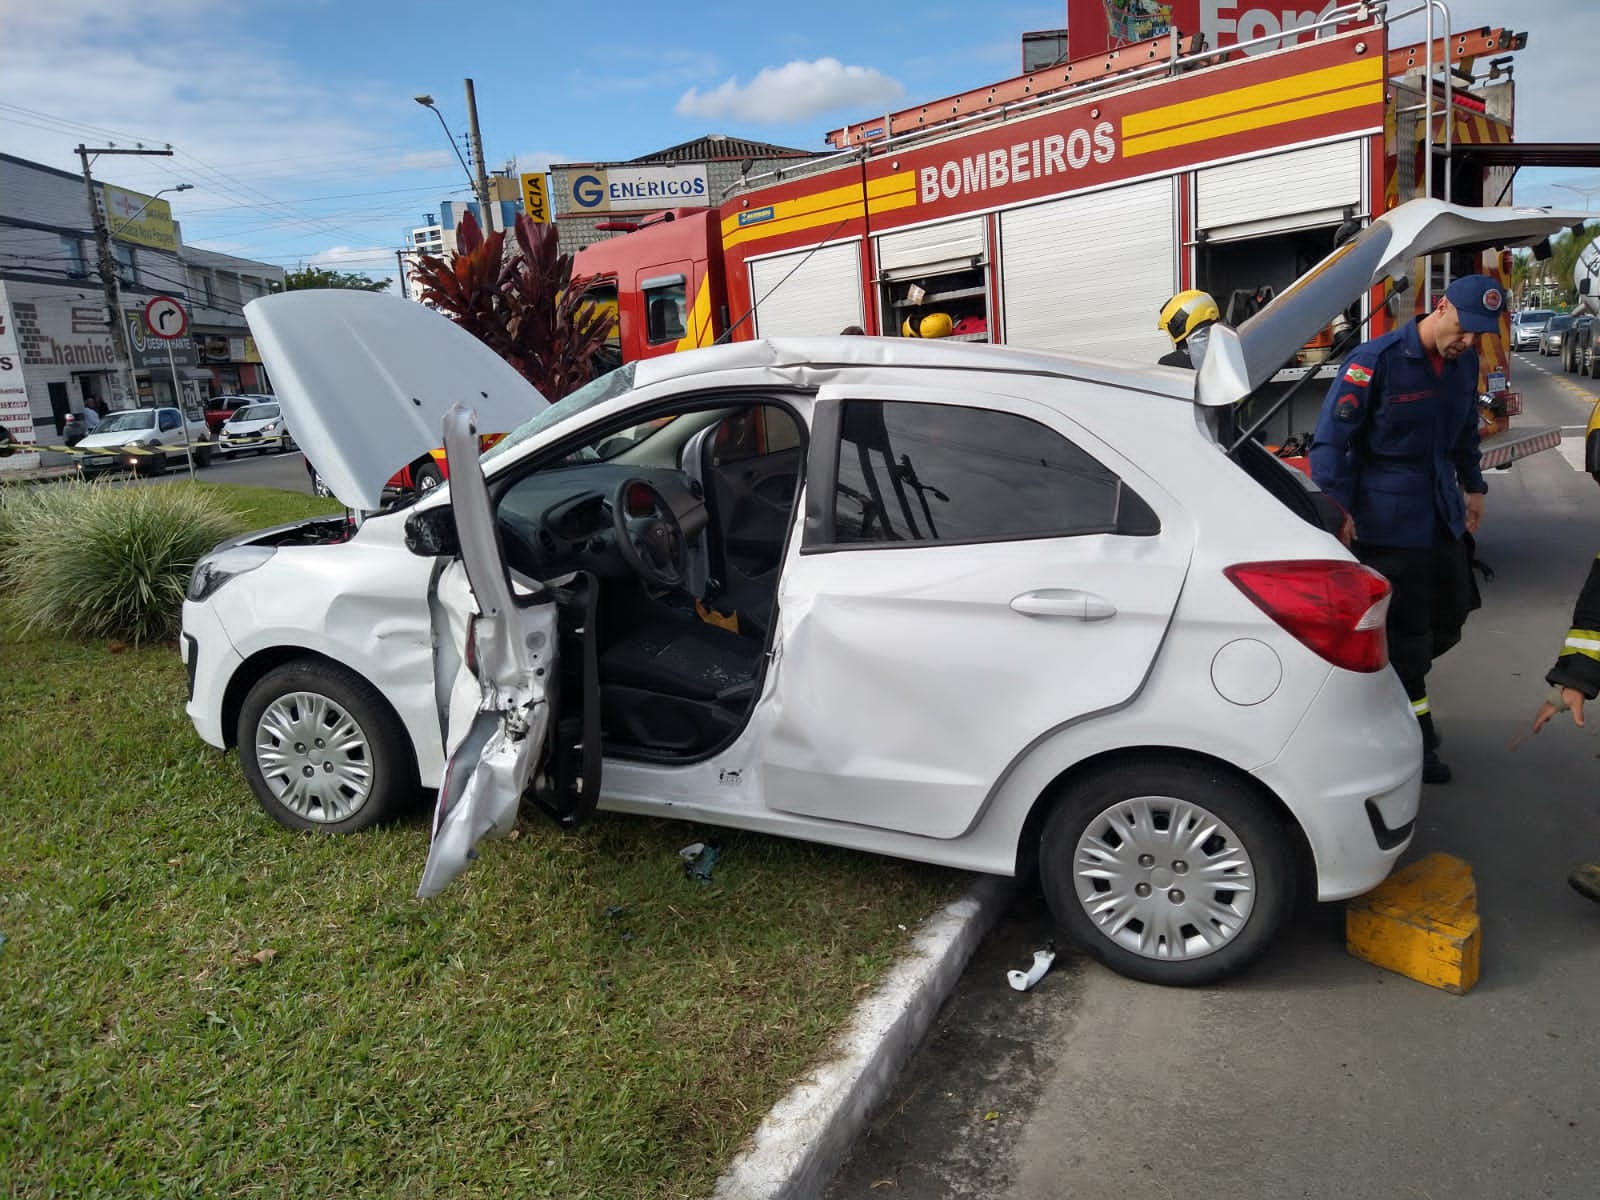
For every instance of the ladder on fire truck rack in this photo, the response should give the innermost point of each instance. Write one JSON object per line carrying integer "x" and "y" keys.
{"x": 1169, "y": 53}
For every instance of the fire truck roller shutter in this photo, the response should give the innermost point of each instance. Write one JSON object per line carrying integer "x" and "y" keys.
{"x": 820, "y": 298}
{"x": 1297, "y": 189}
{"x": 931, "y": 247}
{"x": 1087, "y": 274}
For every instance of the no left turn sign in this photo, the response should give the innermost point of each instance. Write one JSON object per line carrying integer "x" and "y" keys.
{"x": 165, "y": 318}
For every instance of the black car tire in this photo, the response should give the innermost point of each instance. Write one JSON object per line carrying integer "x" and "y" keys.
{"x": 427, "y": 476}
{"x": 202, "y": 456}
{"x": 287, "y": 446}
{"x": 309, "y": 695}
{"x": 1098, "y": 810}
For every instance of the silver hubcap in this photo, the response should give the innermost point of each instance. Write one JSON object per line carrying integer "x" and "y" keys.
{"x": 1164, "y": 878}
{"x": 314, "y": 757}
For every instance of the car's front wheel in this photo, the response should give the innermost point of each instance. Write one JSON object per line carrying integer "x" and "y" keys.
{"x": 1169, "y": 872}
{"x": 322, "y": 750}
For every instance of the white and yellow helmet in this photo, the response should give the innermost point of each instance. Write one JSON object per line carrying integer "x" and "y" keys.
{"x": 1186, "y": 312}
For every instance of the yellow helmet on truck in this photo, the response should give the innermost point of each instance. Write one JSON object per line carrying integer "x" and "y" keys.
{"x": 933, "y": 325}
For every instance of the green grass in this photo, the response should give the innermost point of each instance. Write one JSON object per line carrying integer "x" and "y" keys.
{"x": 197, "y": 1002}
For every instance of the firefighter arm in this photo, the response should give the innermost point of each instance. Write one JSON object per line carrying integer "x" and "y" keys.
{"x": 1345, "y": 412}
{"x": 1468, "y": 458}
{"x": 1578, "y": 665}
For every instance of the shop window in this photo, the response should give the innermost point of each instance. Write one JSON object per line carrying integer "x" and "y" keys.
{"x": 72, "y": 250}
{"x": 127, "y": 269}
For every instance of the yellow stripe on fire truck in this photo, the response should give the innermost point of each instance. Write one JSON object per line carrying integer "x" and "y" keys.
{"x": 829, "y": 207}
{"x": 1309, "y": 94}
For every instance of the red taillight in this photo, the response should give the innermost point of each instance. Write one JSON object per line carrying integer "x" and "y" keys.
{"x": 1338, "y": 609}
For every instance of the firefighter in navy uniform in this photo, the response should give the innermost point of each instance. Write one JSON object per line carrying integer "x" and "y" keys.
{"x": 1396, "y": 446}
{"x": 1187, "y": 319}
{"x": 1574, "y": 679}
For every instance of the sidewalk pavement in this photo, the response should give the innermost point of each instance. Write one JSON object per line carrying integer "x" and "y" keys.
{"x": 34, "y": 466}
{"x": 801, "y": 1143}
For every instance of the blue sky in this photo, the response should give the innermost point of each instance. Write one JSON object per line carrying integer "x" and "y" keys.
{"x": 295, "y": 122}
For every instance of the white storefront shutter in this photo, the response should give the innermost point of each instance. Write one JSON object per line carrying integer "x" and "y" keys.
{"x": 807, "y": 293}
{"x": 1088, "y": 274}
{"x": 1298, "y": 189}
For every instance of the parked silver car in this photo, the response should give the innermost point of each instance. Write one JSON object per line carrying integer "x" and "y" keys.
{"x": 1550, "y": 336}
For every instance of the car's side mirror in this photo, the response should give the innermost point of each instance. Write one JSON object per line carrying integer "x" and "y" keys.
{"x": 432, "y": 533}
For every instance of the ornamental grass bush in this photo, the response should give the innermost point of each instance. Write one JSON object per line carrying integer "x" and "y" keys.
{"x": 98, "y": 560}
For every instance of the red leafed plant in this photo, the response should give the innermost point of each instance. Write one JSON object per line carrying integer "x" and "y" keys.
{"x": 527, "y": 308}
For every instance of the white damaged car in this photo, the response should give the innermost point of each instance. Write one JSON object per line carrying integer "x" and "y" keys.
{"x": 964, "y": 604}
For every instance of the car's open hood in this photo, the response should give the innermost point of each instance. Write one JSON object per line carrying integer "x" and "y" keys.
{"x": 364, "y": 381}
{"x": 1239, "y": 361}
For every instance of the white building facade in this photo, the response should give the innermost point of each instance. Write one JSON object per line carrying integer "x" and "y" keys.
{"x": 57, "y": 350}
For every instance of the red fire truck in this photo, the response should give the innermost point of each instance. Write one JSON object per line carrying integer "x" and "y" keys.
{"x": 1061, "y": 208}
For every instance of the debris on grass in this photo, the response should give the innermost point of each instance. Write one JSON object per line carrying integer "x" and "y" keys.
{"x": 699, "y": 860}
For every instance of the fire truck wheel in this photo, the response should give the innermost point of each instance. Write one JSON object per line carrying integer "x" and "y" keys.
{"x": 1170, "y": 872}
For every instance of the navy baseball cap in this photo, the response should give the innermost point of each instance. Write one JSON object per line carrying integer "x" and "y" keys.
{"x": 1478, "y": 301}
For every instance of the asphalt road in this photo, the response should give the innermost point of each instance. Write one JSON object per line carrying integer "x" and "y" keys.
{"x": 1316, "y": 1074}
{"x": 287, "y": 471}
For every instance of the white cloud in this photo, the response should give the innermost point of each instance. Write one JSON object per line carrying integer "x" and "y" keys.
{"x": 794, "y": 91}
{"x": 353, "y": 258}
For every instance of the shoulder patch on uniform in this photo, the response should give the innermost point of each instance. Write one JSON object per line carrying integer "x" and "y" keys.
{"x": 1357, "y": 374}
{"x": 1348, "y": 408}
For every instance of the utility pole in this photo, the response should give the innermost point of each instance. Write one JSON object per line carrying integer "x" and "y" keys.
{"x": 110, "y": 275}
{"x": 482, "y": 182}
{"x": 400, "y": 259}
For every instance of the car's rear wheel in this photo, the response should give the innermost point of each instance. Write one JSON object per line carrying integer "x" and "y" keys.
{"x": 428, "y": 476}
{"x": 1169, "y": 872}
{"x": 321, "y": 749}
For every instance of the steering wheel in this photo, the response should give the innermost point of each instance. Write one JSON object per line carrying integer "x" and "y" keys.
{"x": 649, "y": 537}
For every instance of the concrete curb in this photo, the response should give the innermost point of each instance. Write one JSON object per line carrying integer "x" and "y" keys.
{"x": 801, "y": 1143}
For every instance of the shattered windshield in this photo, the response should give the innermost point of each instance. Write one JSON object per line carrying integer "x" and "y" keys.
{"x": 612, "y": 383}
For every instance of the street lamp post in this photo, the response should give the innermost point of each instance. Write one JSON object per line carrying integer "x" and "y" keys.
{"x": 480, "y": 184}
{"x": 1585, "y": 192}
